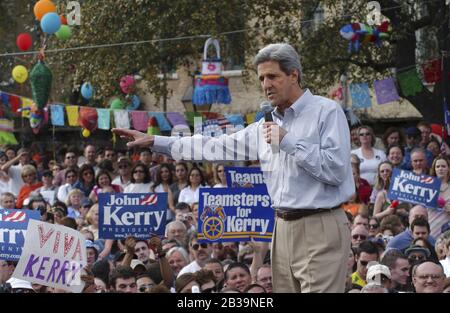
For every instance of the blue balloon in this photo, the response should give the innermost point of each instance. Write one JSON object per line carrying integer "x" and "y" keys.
{"x": 87, "y": 91}
{"x": 51, "y": 23}
{"x": 135, "y": 102}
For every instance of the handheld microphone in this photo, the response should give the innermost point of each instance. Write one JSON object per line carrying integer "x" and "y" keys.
{"x": 266, "y": 108}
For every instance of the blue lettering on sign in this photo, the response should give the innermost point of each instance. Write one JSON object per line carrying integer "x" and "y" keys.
{"x": 13, "y": 227}
{"x": 138, "y": 215}
{"x": 235, "y": 214}
{"x": 418, "y": 189}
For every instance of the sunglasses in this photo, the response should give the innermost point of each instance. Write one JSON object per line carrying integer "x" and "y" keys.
{"x": 416, "y": 257}
{"x": 208, "y": 290}
{"x": 197, "y": 246}
{"x": 138, "y": 171}
{"x": 373, "y": 226}
{"x": 365, "y": 134}
{"x": 362, "y": 237}
{"x": 364, "y": 263}
{"x": 123, "y": 166}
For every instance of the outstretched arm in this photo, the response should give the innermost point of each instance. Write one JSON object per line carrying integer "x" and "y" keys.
{"x": 138, "y": 139}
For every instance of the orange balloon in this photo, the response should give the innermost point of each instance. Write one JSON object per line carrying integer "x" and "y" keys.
{"x": 43, "y": 7}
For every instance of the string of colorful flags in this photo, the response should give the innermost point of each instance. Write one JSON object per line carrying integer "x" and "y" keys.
{"x": 408, "y": 82}
{"x": 59, "y": 114}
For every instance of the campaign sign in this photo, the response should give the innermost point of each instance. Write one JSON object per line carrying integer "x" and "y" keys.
{"x": 53, "y": 255}
{"x": 13, "y": 227}
{"x": 244, "y": 177}
{"x": 418, "y": 189}
{"x": 132, "y": 214}
{"x": 235, "y": 214}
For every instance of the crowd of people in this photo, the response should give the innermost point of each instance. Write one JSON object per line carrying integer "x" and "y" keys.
{"x": 395, "y": 246}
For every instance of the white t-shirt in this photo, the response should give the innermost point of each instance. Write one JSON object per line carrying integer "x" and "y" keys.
{"x": 190, "y": 268}
{"x": 118, "y": 181}
{"x": 189, "y": 196}
{"x": 369, "y": 167}
{"x": 220, "y": 186}
{"x": 138, "y": 188}
{"x": 16, "y": 181}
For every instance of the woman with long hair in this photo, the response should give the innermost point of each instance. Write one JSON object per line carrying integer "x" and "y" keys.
{"x": 86, "y": 179}
{"x": 369, "y": 156}
{"x": 191, "y": 193}
{"x": 181, "y": 171}
{"x": 103, "y": 184}
{"x": 439, "y": 216}
{"x": 220, "y": 180}
{"x": 382, "y": 205}
{"x": 393, "y": 136}
{"x": 163, "y": 182}
{"x": 140, "y": 179}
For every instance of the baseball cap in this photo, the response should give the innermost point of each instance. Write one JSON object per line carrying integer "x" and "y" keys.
{"x": 377, "y": 269}
{"x": 417, "y": 248}
{"x": 135, "y": 263}
{"x": 124, "y": 159}
{"x": 412, "y": 131}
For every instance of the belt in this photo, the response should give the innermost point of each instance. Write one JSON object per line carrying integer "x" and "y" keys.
{"x": 297, "y": 214}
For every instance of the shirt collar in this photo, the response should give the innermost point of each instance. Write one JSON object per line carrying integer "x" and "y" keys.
{"x": 298, "y": 105}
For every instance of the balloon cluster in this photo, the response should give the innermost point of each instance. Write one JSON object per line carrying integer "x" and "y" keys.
{"x": 51, "y": 23}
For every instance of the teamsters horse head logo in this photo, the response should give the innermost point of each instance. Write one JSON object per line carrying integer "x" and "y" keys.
{"x": 213, "y": 222}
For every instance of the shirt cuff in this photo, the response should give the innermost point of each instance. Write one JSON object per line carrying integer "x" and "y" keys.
{"x": 161, "y": 144}
{"x": 287, "y": 144}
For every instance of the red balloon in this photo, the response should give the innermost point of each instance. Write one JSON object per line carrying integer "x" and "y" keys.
{"x": 63, "y": 20}
{"x": 24, "y": 41}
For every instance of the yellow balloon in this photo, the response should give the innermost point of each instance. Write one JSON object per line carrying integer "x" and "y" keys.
{"x": 86, "y": 133}
{"x": 20, "y": 74}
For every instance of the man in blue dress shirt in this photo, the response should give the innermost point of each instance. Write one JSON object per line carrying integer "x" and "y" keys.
{"x": 305, "y": 156}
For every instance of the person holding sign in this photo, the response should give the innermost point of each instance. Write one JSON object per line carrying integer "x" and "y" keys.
{"x": 304, "y": 150}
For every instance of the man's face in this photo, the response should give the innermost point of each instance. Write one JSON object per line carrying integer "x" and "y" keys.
{"x": 90, "y": 255}
{"x": 71, "y": 178}
{"x": 5, "y": 271}
{"x": 395, "y": 155}
{"x": 359, "y": 220}
{"x": 418, "y": 162}
{"x": 238, "y": 278}
{"x": 145, "y": 157}
{"x": 142, "y": 251}
{"x": 70, "y": 159}
{"x": 359, "y": 234}
{"x": 201, "y": 251}
{"x": 417, "y": 211}
{"x": 429, "y": 278}
{"x": 177, "y": 232}
{"x": 145, "y": 284}
{"x": 420, "y": 232}
{"x": 110, "y": 155}
{"x": 363, "y": 260}
{"x": 400, "y": 273}
{"x": 8, "y": 202}
{"x": 217, "y": 270}
{"x": 24, "y": 158}
{"x": 126, "y": 285}
{"x": 89, "y": 153}
{"x": 264, "y": 278}
{"x": 177, "y": 262}
{"x": 277, "y": 86}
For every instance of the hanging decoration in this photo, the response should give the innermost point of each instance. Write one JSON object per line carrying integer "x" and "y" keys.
{"x": 358, "y": 34}
{"x": 43, "y": 7}
{"x": 211, "y": 87}
{"x": 20, "y": 74}
{"x": 87, "y": 118}
{"x": 24, "y": 41}
{"x": 87, "y": 91}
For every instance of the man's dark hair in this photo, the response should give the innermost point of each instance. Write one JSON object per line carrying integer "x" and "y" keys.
{"x": 182, "y": 206}
{"x": 124, "y": 272}
{"x": 235, "y": 265}
{"x": 69, "y": 222}
{"x": 368, "y": 247}
{"x": 391, "y": 256}
{"x": 420, "y": 221}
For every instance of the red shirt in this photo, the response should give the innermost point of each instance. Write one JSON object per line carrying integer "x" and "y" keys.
{"x": 364, "y": 191}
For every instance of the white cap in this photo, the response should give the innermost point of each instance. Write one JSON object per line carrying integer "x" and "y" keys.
{"x": 375, "y": 270}
{"x": 19, "y": 283}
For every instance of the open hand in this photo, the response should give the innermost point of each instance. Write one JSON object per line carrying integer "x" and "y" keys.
{"x": 138, "y": 139}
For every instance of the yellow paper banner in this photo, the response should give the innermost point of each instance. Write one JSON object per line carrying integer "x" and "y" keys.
{"x": 26, "y": 103}
{"x": 250, "y": 117}
{"x": 72, "y": 115}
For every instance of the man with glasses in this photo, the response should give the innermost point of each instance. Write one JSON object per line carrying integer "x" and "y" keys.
{"x": 145, "y": 283}
{"x": 70, "y": 161}
{"x": 359, "y": 234}
{"x": 417, "y": 254}
{"x": 366, "y": 252}
{"x": 124, "y": 177}
{"x": 201, "y": 252}
{"x": 428, "y": 277}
